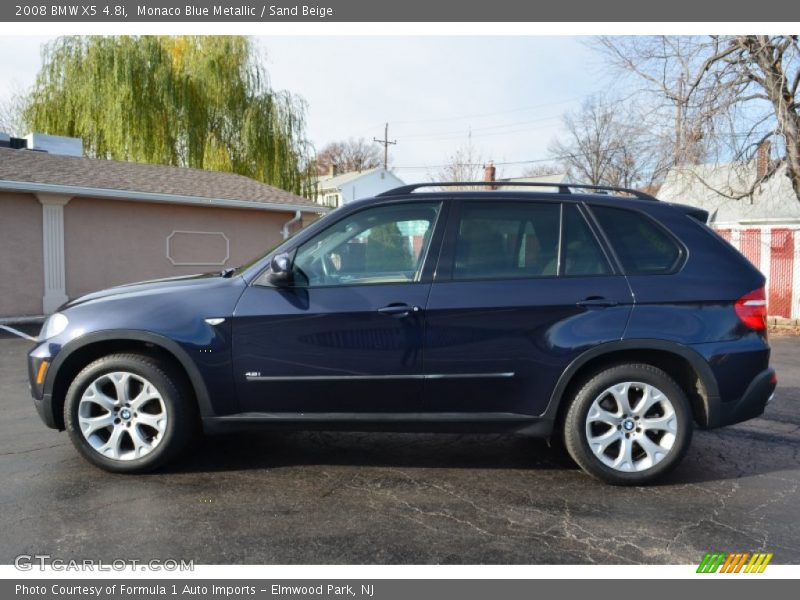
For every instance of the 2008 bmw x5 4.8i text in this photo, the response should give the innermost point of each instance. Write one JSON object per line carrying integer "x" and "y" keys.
{"x": 611, "y": 320}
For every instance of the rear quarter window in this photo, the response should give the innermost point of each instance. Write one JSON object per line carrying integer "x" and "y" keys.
{"x": 641, "y": 245}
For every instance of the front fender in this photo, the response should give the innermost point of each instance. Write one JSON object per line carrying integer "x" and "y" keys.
{"x": 214, "y": 355}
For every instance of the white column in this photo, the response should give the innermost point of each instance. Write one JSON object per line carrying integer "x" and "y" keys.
{"x": 736, "y": 238}
{"x": 766, "y": 259}
{"x": 55, "y": 293}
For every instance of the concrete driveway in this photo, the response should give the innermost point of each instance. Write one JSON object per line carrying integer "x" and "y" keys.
{"x": 397, "y": 498}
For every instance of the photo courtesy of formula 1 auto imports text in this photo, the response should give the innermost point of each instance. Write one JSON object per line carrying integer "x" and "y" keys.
{"x": 365, "y": 300}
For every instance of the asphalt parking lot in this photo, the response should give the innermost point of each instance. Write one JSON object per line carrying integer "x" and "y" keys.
{"x": 397, "y": 498}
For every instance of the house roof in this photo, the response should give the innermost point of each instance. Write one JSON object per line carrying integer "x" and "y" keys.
{"x": 27, "y": 170}
{"x": 337, "y": 181}
{"x": 551, "y": 178}
{"x": 554, "y": 178}
{"x": 715, "y": 187}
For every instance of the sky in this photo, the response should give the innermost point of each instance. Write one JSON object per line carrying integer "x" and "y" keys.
{"x": 509, "y": 92}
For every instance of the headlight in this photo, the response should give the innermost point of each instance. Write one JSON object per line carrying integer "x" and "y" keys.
{"x": 55, "y": 324}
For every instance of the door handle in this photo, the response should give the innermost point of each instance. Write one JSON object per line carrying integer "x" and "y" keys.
{"x": 596, "y": 302}
{"x": 398, "y": 310}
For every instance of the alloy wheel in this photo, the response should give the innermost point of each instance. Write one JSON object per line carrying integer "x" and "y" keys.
{"x": 122, "y": 416}
{"x": 631, "y": 426}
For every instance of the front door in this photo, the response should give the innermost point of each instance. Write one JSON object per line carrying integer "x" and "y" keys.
{"x": 523, "y": 287}
{"x": 345, "y": 336}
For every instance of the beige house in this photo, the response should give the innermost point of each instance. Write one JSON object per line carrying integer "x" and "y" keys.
{"x": 71, "y": 225}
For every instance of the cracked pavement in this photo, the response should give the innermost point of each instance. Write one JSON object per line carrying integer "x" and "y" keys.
{"x": 309, "y": 498}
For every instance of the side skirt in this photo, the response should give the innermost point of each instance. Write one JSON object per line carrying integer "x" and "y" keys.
{"x": 410, "y": 422}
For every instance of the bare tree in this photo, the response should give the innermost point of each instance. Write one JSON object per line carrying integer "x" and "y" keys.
{"x": 727, "y": 93}
{"x": 603, "y": 145}
{"x": 542, "y": 169}
{"x": 349, "y": 155}
{"x": 11, "y": 114}
{"x": 464, "y": 164}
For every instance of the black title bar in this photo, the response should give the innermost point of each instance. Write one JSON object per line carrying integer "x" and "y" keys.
{"x": 516, "y": 11}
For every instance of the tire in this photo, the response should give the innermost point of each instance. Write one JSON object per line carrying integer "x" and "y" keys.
{"x": 612, "y": 433}
{"x": 129, "y": 413}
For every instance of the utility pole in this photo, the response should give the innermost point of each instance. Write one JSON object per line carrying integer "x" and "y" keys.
{"x": 386, "y": 143}
{"x": 679, "y": 124}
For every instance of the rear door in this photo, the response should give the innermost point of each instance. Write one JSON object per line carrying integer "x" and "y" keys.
{"x": 521, "y": 289}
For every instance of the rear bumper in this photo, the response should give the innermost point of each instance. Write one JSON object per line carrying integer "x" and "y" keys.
{"x": 749, "y": 406}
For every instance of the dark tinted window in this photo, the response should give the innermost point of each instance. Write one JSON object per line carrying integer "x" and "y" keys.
{"x": 642, "y": 246}
{"x": 507, "y": 240}
{"x": 582, "y": 253}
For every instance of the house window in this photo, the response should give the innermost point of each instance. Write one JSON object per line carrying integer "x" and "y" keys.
{"x": 331, "y": 200}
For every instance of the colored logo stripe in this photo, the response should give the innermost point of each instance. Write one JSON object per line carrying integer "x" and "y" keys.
{"x": 735, "y": 562}
{"x": 711, "y": 562}
{"x": 758, "y": 563}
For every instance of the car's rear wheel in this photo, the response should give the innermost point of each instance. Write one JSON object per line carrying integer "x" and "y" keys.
{"x": 128, "y": 413}
{"x": 628, "y": 424}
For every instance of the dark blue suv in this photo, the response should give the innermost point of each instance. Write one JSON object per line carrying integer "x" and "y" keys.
{"x": 605, "y": 318}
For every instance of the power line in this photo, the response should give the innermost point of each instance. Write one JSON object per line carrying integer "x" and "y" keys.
{"x": 479, "y": 115}
{"x": 488, "y": 130}
{"x": 489, "y": 114}
{"x": 643, "y": 143}
{"x": 530, "y": 161}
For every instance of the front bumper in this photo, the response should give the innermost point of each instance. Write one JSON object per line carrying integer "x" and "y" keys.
{"x": 39, "y": 361}
{"x": 750, "y": 405}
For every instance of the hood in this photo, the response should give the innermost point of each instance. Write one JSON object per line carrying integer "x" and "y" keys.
{"x": 148, "y": 288}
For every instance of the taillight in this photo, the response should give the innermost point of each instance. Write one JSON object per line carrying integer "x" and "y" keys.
{"x": 752, "y": 309}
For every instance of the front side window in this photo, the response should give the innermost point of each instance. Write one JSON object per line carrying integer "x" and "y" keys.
{"x": 386, "y": 244}
{"x": 643, "y": 248}
{"x": 507, "y": 240}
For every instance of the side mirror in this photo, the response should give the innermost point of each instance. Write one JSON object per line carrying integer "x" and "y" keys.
{"x": 281, "y": 269}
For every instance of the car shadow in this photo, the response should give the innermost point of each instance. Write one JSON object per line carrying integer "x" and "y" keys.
{"x": 761, "y": 446}
{"x": 276, "y": 449}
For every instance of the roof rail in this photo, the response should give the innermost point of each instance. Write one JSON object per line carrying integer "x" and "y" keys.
{"x": 563, "y": 188}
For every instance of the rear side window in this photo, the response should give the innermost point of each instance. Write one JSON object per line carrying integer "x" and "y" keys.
{"x": 582, "y": 254}
{"x": 506, "y": 240}
{"x": 643, "y": 248}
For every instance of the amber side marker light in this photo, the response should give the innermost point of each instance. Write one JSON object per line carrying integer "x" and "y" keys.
{"x": 42, "y": 372}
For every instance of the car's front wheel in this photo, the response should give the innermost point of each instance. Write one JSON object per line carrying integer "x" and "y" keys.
{"x": 128, "y": 413}
{"x": 628, "y": 424}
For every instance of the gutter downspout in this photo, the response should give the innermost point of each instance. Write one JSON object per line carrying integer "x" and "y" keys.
{"x": 18, "y": 333}
{"x": 298, "y": 215}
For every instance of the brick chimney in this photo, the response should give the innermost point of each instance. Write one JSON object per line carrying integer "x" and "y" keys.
{"x": 762, "y": 159}
{"x": 333, "y": 170}
{"x": 489, "y": 172}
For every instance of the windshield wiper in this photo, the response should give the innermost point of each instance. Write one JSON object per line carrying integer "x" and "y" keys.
{"x": 226, "y": 273}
